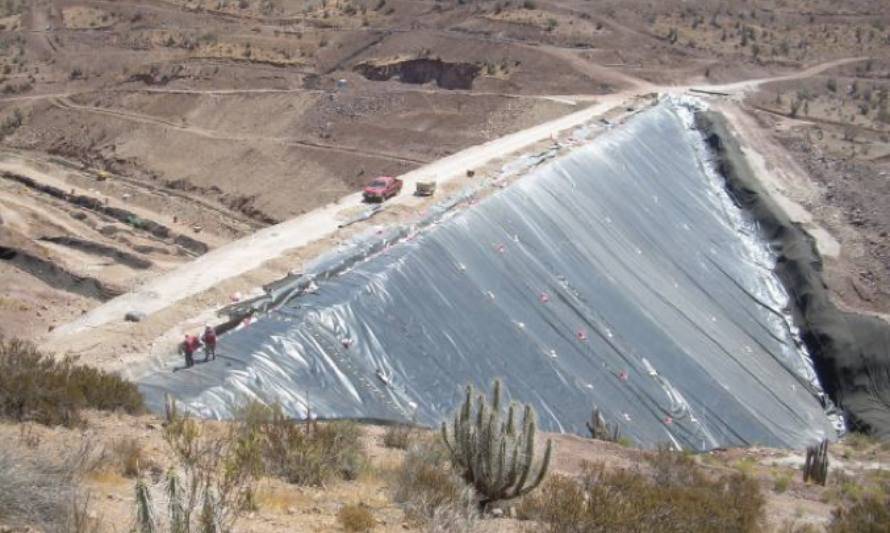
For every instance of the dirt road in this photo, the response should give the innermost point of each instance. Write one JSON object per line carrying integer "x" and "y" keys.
{"x": 741, "y": 87}
{"x": 241, "y": 256}
{"x": 245, "y": 254}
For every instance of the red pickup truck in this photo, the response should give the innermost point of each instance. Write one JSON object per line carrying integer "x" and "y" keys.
{"x": 382, "y": 188}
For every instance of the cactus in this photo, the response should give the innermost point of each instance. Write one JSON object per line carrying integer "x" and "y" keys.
{"x": 600, "y": 430}
{"x": 491, "y": 454}
{"x": 145, "y": 519}
{"x": 816, "y": 466}
{"x": 171, "y": 412}
{"x": 179, "y": 516}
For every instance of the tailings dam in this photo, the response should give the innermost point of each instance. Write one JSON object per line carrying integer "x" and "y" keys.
{"x": 621, "y": 275}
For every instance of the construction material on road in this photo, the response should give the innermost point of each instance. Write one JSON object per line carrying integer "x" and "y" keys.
{"x": 425, "y": 188}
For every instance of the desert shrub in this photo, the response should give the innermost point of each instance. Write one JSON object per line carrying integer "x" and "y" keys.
{"x": 356, "y": 517}
{"x": 308, "y": 453}
{"x": 430, "y": 492}
{"x": 628, "y": 500}
{"x": 397, "y": 436}
{"x": 859, "y": 441}
{"x": 869, "y": 515}
{"x": 211, "y": 483}
{"x": 781, "y": 484}
{"x": 36, "y": 387}
{"x": 671, "y": 468}
{"x": 128, "y": 456}
{"x": 11, "y": 123}
{"x": 560, "y": 503}
{"x": 37, "y": 490}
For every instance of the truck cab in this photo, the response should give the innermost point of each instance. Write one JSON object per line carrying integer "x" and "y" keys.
{"x": 382, "y": 188}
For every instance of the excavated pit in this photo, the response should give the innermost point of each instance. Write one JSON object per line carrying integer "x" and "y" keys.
{"x": 621, "y": 275}
{"x": 423, "y": 70}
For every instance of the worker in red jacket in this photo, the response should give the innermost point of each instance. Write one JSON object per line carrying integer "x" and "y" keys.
{"x": 209, "y": 339}
{"x": 188, "y": 348}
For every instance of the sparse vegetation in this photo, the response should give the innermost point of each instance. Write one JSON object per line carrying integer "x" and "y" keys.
{"x": 129, "y": 456}
{"x": 40, "y": 490}
{"x": 781, "y": 484}
{"x": 679, "y": 498}
{"x": 398, "y": 436}
{"x": 36, "y": 387}
{"x": 211, "y": 484}
{"x": 11, "y": 123}
{"x": 309, "y": 453}
{"x": 356, "y": 517}
{"x": 870, "y": 515}
{"x": 430, "y": 491}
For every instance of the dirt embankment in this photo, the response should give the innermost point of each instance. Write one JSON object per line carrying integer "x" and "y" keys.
{"x": 850, "y": 351}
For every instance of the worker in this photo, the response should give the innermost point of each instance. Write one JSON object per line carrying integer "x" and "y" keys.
{"x": 188, "y": 348}
{"x": 209, "y": 339}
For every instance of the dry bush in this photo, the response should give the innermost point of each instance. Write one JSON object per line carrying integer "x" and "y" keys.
{"x": 673, "y": 468}
{"x": 41, "y": 491}
{"x": 36, "y": 387}
{"x": 397, "y": 436}
{"x": 211, "y": 483}
{"x": 430, "y": 492}
{"x": 680, "y": 498}
{"x": 356, "y": 517}
{"x": 309, "y": 453}
{"x": 868, "y": 515}
{"x": 781, "y": 484}
{"x": 860, "y": 441}
{"x": 128, "y": 456}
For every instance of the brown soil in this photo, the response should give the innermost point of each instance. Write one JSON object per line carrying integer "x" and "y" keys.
{"x": 215, "y": 119}
{"x": 789, "y": 501}
{"x": 836, "y": 126}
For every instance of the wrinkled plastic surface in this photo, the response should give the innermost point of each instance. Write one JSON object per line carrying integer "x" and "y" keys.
{"x": 619, "y": 275}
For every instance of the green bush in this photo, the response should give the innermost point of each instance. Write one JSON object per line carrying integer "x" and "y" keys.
{"x": 310, "y": 453}
{"x": 680, "y": 498}
{"x": 36, "y": 387}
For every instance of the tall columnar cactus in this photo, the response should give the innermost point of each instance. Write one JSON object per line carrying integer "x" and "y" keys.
{"x": 815, "y": 467}
{"x": 492, "y": 454}
{"x": 601, "y": 430}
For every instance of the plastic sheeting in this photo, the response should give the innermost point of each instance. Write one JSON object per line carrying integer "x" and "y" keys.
{"x": 619, "y": 275}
